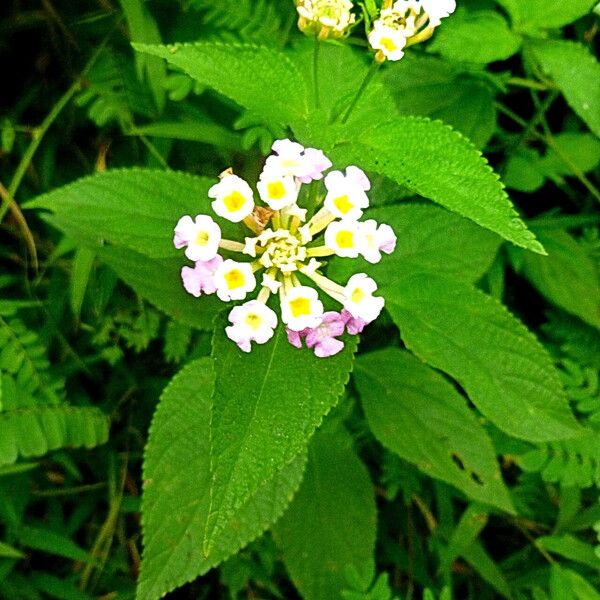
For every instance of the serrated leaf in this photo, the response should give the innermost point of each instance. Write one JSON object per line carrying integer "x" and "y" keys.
{"x": 505, "y": 371}
{"x": 438, "y": 163}
{"x": 429, "y": 87}
{"x": 418, "y": 415}
{"x": 130, "y": 208}
{"x": 545, "y": 14}
{"x": 429, "y": 239}
{"x": 331, "y": 523}
{"x": 275, "y": 91}
{"x": 177, "y": 483}
{"x": 495, "y": 41}
{"x": 567, "y": 277}
{"x": 579, "y": 86}
{"x": 266, "y": 406}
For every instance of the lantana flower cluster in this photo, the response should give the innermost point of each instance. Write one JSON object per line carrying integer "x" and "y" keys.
{"x": 283, "y": 253}
{"x": 404, "y": 23}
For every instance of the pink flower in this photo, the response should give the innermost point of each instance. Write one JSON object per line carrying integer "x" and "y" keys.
{"x": 291, "y": 158}
{"x": 200, "y": 279}
{"x": 353, "y": 325}
{"x": 322, "y": 339}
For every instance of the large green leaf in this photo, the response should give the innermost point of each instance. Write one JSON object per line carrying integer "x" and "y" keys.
{"x": 438, "y": 163}
{"x": 132, "y": 208}
{"x": 505, "y": 371}
{"x": 495, "y": 41}
{"x": 579, "y": 85}
{"x": 568, "y": 276}
{"x": 177, "y": 481}
{"x": 415, "y": 412}
{"x": 266, "y": 406}
{"x": 258, "y": 78}
{"x": 545, "y": 14}
{"x": 331, "y": 523}
{"x": 429, "y": 239}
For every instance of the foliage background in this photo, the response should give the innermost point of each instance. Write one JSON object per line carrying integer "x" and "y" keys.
{"x": 92, "y": 334}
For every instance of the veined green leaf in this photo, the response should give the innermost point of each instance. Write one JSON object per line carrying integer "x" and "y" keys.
{"x": 331, "y": 523}
{"x": 414, "y": 412}
{"x": 131, "y": 208}
{"x": 177, "y": 481}
{"x": 545, "y": 14}
{"x": 505, "y": 371}
{"x": 266, "y": 406}
{"x": 438, "y": 163}
{"x": 275, "y": 90}
{"x": 429, "y": 239}
{"x": 495, "y": 41}
{"x": 579, "y": 86}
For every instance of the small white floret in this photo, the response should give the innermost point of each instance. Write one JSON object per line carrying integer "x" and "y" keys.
{"x": 234, "y": 199}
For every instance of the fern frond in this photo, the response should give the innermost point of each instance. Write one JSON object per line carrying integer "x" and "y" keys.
{"x": 23, "y": 357}
{"x": 34, "y": 431}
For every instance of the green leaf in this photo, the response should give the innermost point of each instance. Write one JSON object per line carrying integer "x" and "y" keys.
{"x": 567, "y": 277}
{"x": 581, "y": 150}
{"x": 579, "y": 86}
{"x": 158, "y": 280}
{"x": 505, "y": 371}
{"x": 429, "y": 239}
{"x": 429, "y": 87}
{"x": 7, "y": 551}
{"x": 83, "y": 261}
{"x": 414, "y": 412}
{"x": 55, "y": 587}
{"x": 569, "y": 585}
{"x": 177, "y": 481}
{"x": 544, "y": 14}
{"x": 570, "y": 547}
{"x": 331, "y": 523}
{"x": 131, "y": 208}
{"x": 266, "y": 406}
{"x": 275, "y": 90}
{"x": 46, "y": 540}
{"x": 438, "y": 163}
{"x": 495, "y": 41}
{"x": 37, "y": 430}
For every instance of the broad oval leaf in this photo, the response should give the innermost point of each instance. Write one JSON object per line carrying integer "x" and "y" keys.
{"x": 177, "y": 481}
{"x": 331, "y": 523}
{"x": 579, "y": 85}
{"x": 266, "y": 406}
{"x": 414, "y": 412}
{"x": 440, "y": 164}
{"x": 505, "y": 371}
{"x": 545, "y": 14}
{"x": 258, "y": 78}
{"x": 429, "y": 239}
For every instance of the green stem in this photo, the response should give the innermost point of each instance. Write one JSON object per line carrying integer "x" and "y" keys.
{"x": 549, "y": 141}
{"x": 528, "y": 83}
{"x": 361, "y": 90}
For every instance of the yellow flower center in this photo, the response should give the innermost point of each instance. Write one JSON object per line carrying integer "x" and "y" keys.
{"x": 300, "y": 307}
{"x": 345, "y": 239}
{"x": 234, "y": 279}
{"x": 388, "y": 44}
{"x": 253, "y": 320}
{"x": 202, "y": 238}
{"x": 343, "y": 204}
{"x": 234, "y": 201}
{"x": 357, "y": 296}
{"x": 276, "y": 190}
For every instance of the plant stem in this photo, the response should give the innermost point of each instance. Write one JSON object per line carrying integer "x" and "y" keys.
{"x": 361, "y": 90}
{"x": 529, "y": 83}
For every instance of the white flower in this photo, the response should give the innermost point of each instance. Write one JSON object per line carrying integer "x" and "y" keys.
{"x": 291, "y": 158}
{"x": 375, "y": 240}
{"x": 234, "y": 199}
{"x": 359, "y": 300}
{"x": 251, "y": 322}
{"x": 344, "y": 238}
{"x": 234, "y": 280}
{"x": 388, "y": 39}
{"x": 271, "y": 283}
{"x": 301, "y": 308}
{"x": 335, "y": 14}
{"x": 346, "y": 193}
{"x": 295, "y": 211}
{"x": 438, "y": 9}
{"x": 276, "y": 189}
{"x": 200, "y": 237}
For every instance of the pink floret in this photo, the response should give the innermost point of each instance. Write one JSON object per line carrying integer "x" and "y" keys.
{"x": 200, "y": 279}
